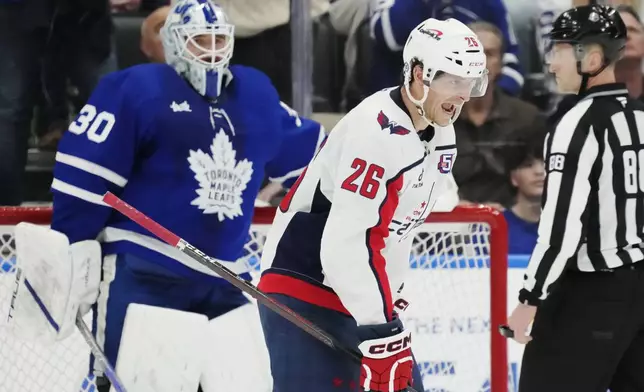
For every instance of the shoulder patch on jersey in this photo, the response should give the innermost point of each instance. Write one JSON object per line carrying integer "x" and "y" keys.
{"x": 393, "y": 128}
{"x": 445, "y": 163}
{"x": 222, "y": 179}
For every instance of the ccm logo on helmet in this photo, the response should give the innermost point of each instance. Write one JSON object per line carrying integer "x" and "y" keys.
{"x": 391, "y": 347}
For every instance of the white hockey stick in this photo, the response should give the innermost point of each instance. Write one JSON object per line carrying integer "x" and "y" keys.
{"x": 231, "y": 277}
{"x": 110, "y": 373}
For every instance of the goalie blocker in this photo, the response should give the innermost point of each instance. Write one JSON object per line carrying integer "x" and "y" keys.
{"x": 55, "y": 281}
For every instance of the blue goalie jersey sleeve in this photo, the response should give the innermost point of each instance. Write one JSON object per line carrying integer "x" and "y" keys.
{"x": 301, "y": 138}
{"x": 95, "y": 155}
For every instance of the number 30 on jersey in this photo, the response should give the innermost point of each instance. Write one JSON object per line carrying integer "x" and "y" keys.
{"x": 97, "y": 125}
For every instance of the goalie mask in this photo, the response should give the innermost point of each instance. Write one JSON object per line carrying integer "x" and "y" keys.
{"x": 453, "y": 62}
{"x": 198, "y": 42}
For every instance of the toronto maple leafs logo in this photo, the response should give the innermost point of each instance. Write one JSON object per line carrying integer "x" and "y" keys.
{"x": 222, "y": 179}
{"x": 394, "y": 128}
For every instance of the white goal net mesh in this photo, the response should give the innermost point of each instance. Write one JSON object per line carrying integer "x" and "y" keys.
{"x": 449, "y": 287}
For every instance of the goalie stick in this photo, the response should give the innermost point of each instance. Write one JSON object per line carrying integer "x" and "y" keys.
{"x": 110, "y": 373}
{"x": 172, "y": 239}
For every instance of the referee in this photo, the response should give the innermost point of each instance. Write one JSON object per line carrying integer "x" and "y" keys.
{"x": 584, "y": 286}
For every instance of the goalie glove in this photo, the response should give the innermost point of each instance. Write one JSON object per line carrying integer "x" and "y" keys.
{"x": 54, "y": 282}
{"x": 387, "y": 362}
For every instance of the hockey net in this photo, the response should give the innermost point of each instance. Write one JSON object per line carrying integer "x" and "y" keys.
{"x": 456, "y": 285}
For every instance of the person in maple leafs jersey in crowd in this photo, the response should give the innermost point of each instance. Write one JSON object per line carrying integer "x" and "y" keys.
{"x": 340, "y": 243}
{"x": 188, "y": 142}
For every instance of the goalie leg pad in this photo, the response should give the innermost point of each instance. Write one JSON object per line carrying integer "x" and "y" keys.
{"x": 125, "y": 282}
{"x": 129, "y": 279}
{"x": 237, "y": 356}
{"x": 162, "y": 350}
{"x": 54, "y": 281}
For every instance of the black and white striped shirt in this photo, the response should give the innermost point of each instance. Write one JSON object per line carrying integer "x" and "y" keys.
{"x": 593, "y": 201}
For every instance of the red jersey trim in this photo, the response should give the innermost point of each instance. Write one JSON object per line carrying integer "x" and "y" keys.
{"x": 274, "y": 283}
{"x": 286, "y": 201}
{"x": 376, "y": 242}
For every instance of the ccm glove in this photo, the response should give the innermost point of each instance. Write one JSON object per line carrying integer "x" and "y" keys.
{"x": 387, "y": 361}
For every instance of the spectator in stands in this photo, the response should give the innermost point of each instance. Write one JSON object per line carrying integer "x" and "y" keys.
{"x": 77, "y": 54}
{"x": 151, "y": 44}
{"x": 148, "y": 6}
{"x": 25, "y": 30}
{"x": 118, "y": 6}
{"x": 628, "y": 70}
{"x": 488, "y": 126}
{"x": 527, "y": 176}
{"x": 347, "y": 18}
{"x": 392, "y": 21}
{"x": 263, "y": 37}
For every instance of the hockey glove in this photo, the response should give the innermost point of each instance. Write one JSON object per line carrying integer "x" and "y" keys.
{"x": 387, "y": 361}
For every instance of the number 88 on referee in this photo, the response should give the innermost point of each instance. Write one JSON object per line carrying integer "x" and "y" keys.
{"x": 584, "y": 285}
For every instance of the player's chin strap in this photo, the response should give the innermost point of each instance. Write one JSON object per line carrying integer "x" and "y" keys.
{"x": 419, "y": 103}
{"x": 585, "y": 76}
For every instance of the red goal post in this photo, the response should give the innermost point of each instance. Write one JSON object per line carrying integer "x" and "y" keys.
{"x": 457, "y": 290}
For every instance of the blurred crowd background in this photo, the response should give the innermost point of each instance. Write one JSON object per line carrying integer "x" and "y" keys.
{"x": 53, "y": 52}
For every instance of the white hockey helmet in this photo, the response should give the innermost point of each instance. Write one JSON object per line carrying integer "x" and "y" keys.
{"x": 445, "y": 46}
{"x": 198, "y": 42}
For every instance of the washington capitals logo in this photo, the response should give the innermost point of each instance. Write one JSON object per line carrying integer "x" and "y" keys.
{"x": 394, "y": 128}
{"x": 436, "y": 34}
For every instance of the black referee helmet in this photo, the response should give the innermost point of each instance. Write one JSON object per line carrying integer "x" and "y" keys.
{"x": 591, "y": 24}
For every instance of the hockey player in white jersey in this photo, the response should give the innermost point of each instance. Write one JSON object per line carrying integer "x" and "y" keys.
{"x": 339, "y": 247}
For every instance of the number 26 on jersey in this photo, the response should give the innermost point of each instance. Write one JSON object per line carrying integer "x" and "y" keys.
{"x": 366, "y": 185}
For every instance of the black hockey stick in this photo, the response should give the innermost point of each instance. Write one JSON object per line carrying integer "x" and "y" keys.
{"x": 172, "y": 239}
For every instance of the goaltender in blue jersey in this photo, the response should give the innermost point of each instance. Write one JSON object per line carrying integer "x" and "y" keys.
{"x": 189, "y": 144}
